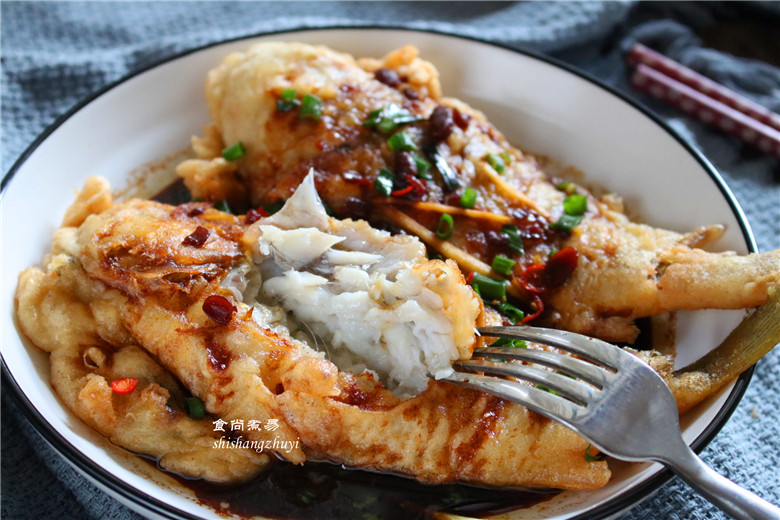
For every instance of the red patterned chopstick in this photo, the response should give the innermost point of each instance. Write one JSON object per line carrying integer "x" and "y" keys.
{"x": 707, "y": 109}
{"x": 641, "y": 54}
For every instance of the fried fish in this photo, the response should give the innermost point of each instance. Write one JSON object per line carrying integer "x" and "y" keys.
{"x": 388, "y": 147}
{"x": 258, "y": 360}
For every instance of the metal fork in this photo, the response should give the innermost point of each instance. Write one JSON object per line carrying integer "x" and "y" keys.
{"x": 616, "y": 401}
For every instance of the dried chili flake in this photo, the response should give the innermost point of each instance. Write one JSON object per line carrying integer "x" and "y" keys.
{"x": 538, "y": 306}
{"x": 197, "y": 238}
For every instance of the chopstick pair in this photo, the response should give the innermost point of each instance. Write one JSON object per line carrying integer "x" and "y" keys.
{"x": 711, "y": 102}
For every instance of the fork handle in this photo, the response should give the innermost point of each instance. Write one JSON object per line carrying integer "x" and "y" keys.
{"x": 720, "y": 491}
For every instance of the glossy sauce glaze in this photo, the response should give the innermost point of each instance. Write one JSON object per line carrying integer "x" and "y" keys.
{"x": 328, "y": 491}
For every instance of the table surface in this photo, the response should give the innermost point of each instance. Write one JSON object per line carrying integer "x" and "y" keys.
{"x": 54, "y": 54}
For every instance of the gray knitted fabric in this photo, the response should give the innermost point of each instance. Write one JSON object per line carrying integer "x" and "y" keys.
{"x": 56, "y": 53}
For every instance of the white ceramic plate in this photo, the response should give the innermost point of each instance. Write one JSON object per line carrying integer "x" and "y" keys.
{"x": 539, "y": 105}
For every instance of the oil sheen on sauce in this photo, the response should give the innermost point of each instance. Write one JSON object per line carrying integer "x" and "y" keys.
{"x": 328, "y": 491}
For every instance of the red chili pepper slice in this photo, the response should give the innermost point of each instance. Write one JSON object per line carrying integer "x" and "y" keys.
{"x": 560, "y": 266}
{"x": 253, "y": 215}
{"x": 532, "y": 279}
{"x": 354, "y": 178}
{"x": 219, "y": 309}
{"x": 420, "y": 185}
{"x": 470, "y": 278}
{"x": 539, "y": 305}
{"x": 402, "y": 192}
{"x": 124, "y": 385}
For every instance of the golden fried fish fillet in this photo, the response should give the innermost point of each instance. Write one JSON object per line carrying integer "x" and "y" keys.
{"x": 78, "y": 320}
{"x": 252, "y": 363}
{"x": 381, "y": 120}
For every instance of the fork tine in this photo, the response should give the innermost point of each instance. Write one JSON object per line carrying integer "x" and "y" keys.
{"x": 589, "y": 372}
{"x": 568, "y": 387}
{"x": 590, "y": 348}
{"x": 555, "y": 407}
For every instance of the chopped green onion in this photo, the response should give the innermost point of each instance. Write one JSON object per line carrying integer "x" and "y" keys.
{"x": 551, "y": 253}
{"x": 433, "y": 255}
{"x": 401, "y": 142}
{"x": 374, "y": 117}
{"x": 288, "y": 94}
{"x": 593, "y": 458}
{"x": 567, "y": 187}
{"x": 422, "y": 168}
{"x": 451, "y": 182}
{"x": 503, "y": 265}
{"x": 384, "y": 182}
{"x": 194, "y": 406}
{"x": 507, "y": 342}
{"x": 273, "y": 207}
{"x": 488, "y": 288}
{"x": 515, "y": 242}
{"x": 286, "y": 106}
{"x": 445, "y": 227}
{"x": 386, "y": 126}
{"x": 311, "y": 108}
{"x": 553, "y": 392}
{"x": 506, "y": 157}
{"x": 566, "y": 222}
{"x": 575, "y": 204}
{"x": 469, "y": 198}
{"x": 222, "y": 205}
{"x": 235, "y": 152}
{"x": 496, "y": 162}
{"x": 510, "y": 311}
{"x": 388, "y": 119}
{"x": 287, "y": 101}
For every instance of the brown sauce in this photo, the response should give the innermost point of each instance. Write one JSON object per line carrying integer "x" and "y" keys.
{"x": 328, "y": 491}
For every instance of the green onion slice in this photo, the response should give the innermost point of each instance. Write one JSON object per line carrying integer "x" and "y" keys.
{"x": 195, "y": 407}
{"x": 468, "y": 198}
{"x": 515, "y": 242}
{"x": 448, "y": 176}
{"x": 488, "y": 288}
{"x": 311, "y": 107}
{"x": 422, "y": 168}
{"x": 567, "y": 187}
{"x": 287, "y": 101}
{"x": 546, "y": 389}
{"x": 222, "y": 205}
{"x": 401, "y": 142}
{"x": 593, "y": 458}
{"x": 389, "y": 118}
{"x": 575, "y": 204}
{"x": 496, "y": 162}
{"x": 566, "y": 222}
{"x": 273, "y": 207}
{"x": 503, "y": 265}
{"x": 235, "y": 152}
{"x": 513, "y": 313}
{"x": 445, "y": 227}
{"x": 507, "y": 342}
{"x": 384, "y": 182}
